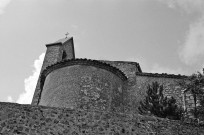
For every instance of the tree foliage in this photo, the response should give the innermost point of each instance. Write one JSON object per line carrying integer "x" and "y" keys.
{"x": 158, "y": 105}
{"x": 195, "y": 84}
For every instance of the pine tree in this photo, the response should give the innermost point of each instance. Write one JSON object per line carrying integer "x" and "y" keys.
{"x": 158, "y": 105}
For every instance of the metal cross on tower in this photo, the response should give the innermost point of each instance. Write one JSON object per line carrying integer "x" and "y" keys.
{"x": 66, "y": 34}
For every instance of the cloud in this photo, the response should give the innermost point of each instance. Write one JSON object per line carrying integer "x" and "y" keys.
{"x": 189, "y": 6}
{"x": 191, "y": 52}
{"x": 10, "y": 99}
{"x": 3, "y": 4}
{"x": 30, "y": 82}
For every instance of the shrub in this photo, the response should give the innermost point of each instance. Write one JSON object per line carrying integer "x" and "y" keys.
{"x": 195, "y": 84}
{"x": 158, "y": 105}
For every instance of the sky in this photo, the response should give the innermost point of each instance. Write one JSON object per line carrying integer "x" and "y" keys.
{"x": 163, "y": 36}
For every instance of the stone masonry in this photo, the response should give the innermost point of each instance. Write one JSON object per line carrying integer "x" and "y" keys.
{"x": 80, "y": 96}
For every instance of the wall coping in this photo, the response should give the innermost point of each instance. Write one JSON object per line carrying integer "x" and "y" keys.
{"x": 87, "y": 62}
{"x": 164, "y": 75}
{"x": 136, "y": 64}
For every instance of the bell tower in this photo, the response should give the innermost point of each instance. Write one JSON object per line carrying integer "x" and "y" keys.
{"x": 60, "y": 50}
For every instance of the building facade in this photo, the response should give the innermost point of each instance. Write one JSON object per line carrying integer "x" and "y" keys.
{"x": 67, "y": 81}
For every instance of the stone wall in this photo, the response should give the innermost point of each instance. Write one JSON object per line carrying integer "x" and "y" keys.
{"x": 189, "y": 104}
{"x": 129, "y": 69}
{"x": 83, "y": 86}
{"x": 138, "y": 82}
{"x": 39, "y": 120}
{"x": 170, "y": 83}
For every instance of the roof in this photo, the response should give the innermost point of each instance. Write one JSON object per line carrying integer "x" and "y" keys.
{"x": 165, "y": 75}
{"x": 63, "y": 40}
{"x": 60, "y": 41}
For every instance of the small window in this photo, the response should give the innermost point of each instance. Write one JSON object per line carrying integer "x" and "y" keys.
{"x": 64, "y": 55}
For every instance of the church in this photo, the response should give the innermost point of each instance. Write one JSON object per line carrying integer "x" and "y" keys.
{"x": 77, "y": 96}
{"x": 69, "y": 82}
